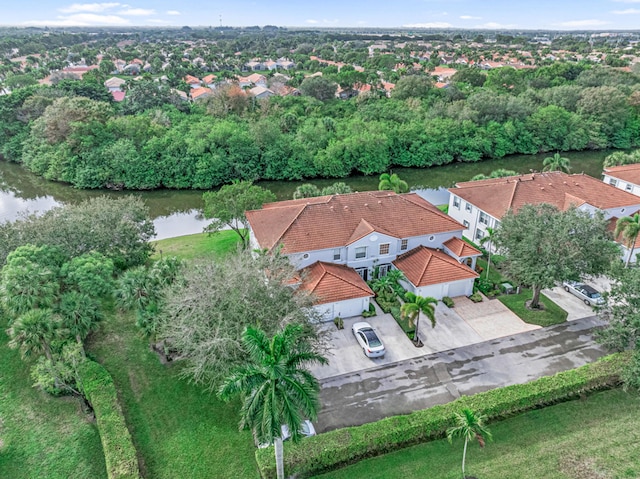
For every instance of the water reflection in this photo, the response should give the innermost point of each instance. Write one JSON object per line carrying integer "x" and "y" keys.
{"x": 176, "y": 212}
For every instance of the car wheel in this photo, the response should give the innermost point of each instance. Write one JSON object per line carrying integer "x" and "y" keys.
{"x": 566, "y": 288}
{"x": 364, "y": 351}
{"x": 586, "y": 301}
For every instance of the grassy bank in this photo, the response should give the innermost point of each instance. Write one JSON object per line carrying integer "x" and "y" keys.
{"x": 178, "y": 429}
{"x": 591, "y": 438}
{"x": 42, "y": 436}
{"x": 200, "y": 245}
{"x": 551, "y": 314}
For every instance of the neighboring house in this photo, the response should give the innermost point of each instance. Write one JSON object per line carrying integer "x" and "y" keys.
{"x": 625, "y": 177}
{"x": 255, "y": 65}
{"x": 118, "y": 95}
{"x": 114, "y": 84}
{"x": 210, "y": 81}
{"x": 260, "y": 92}
{"x": 627, "y": 251}
{"x": 364, "y": 233}
{"x": 270, "y": 65}
{"x": 255, "y": 79}
{"x": 481, "y": 204}
{"x": 200, "y": 93}
{"x": 285, "y": 64}
{"x": 192, "y": 81}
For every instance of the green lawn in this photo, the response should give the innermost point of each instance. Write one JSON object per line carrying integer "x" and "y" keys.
{"x": 179, "y": 430}
{"x": 595, "y": 438}
{"x": 42, "y": 436}
{"x": 200, "y": 245}
{"x": 552, "y": 313}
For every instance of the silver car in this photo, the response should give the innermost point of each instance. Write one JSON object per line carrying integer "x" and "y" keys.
{"x": 368, "y": 339}
{"x": 586, "y": 293}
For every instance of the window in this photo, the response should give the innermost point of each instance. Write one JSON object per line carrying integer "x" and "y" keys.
{"x": 484, "y": 218}
{"x": 431, "y": 238}
{"x": 361, "y": 252}
{"x": 468, "y": 207}
{"x": 629, "y": 187}
{"x": 466, "y": 224}
{"x": 384, "y": 269}
{"x": 404, "y": 244}
{"x": 613, "y": 182}
{"x": 456, "y": 202}
{"x": 305, "y": 256}
{"x": 384, "y": 248}
{"x": 336, "y": 254}
{"x": 479, "y": 234}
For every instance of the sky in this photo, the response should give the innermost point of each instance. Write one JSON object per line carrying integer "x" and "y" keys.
{"x": 480, "y": 14}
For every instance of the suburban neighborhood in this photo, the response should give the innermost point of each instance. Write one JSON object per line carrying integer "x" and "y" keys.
{"x": 319, "y": 251}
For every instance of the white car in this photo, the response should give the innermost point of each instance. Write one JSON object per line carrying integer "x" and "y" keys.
{"x": 368, "y": 339}
{"x": 306, "y": 429}
{"x": 586, "y": 293}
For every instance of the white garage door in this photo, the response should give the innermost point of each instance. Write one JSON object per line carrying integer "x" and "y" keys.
{"x": 350, "y": 308}
{"x": 460, "y": 288}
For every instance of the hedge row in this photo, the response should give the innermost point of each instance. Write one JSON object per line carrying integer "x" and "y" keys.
{"x": 119, "y": 453}
{"x": 341, "y": 447}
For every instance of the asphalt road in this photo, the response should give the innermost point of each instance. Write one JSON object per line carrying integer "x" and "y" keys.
{"x": 399, "y": 388}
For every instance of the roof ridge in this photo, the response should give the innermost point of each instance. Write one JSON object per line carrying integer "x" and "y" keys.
{"x": 427, "y": 263}
{"x": 284, "y": 231}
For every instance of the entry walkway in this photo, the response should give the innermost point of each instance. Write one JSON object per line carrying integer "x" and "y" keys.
{"x": 418, "y": 383}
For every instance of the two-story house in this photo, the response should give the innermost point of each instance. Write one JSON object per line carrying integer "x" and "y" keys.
{"x": 479, "y": 205}
{"x": 339, "y": 242}
{"x": 625, "y": 177}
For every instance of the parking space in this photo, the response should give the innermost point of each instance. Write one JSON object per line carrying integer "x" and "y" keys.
{"x": 573, "y": 305}
{"x": 490, "y": 318}
{"x": 346, "y": 356}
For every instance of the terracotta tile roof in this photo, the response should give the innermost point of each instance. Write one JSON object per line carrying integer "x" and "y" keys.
{"x": 425, "y": 266}
{"x": 629, "y": 173}
{"x": 497, "y": 195}
{"x": 209, "y": 79}
{"x": 333, "y": 282}
{"x": 200, "y": 92}
{"x": 191, "y": 80}
{"x": 118, "y": 95}
{"x": 332, "y": 221}
{"x": 461, "y": 248}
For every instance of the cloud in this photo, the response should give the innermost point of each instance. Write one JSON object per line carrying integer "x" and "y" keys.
{"x": 312, "y": 22}
{"x": 582, "y": 23}
{"x": 628, "y": 11}
{"x": 492, "y": 25}
{"x": 469, "y": 17}
{"x": 81, "y": 20}
{"x": 173, "y": 12}
{"x": 89, "y": 7}
{"x": 428, "y": 25}
{"x": 137, "y": 12}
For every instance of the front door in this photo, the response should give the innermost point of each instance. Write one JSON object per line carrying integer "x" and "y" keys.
{"x": 363, "y": 272}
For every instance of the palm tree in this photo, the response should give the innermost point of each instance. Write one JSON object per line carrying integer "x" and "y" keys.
{"x": 393, "y": 183}
{"x": 556, "y": 163}
{"x": 275, "y": 386}
{"x": 80, "y": 315}
{"x": 33, "y": 332}
{"x": 412, "y": 308}
{"x": 629, "y": 228}
{"x": 488, "y": 238}
{"x": 469, "y": 426}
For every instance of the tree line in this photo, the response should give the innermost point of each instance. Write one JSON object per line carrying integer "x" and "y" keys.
{"x": 149, "y": 142}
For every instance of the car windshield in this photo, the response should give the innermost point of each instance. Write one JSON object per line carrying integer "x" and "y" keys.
{"x": 592, "y": 294}
{"x": 372, "y": 338}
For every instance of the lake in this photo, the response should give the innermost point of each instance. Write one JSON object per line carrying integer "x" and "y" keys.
{"x": 177, "y": 212}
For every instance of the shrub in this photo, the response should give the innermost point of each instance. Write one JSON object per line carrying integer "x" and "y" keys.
{"x": 448, "y": 302}
{"x": 386, "y": 304}
{"x": 119, "y": 453}
{"x": 485, "y": 285}
{"x": 338, "y": 321}
{"x": 369, "y": 313}
{"x": 476, "y": 297}
{"x": 338, "y": 448}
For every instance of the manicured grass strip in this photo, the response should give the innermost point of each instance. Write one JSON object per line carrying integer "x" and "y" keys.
{"x": 40, "y": 435}
{"x": 201, "y": 245}
{"x": 119, "y": 453}
{"x": 551, "y": 314}
{"x": 494, "y": 274}
{"x": 586, "y": 438}
{"x": 341, "y": 447}
{"x": 180, "y": 430}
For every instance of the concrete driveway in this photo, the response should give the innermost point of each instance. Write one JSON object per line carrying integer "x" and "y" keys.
{"x": 364, "y": 396}
{"x": 346, "y": 356}
{"x": 490, "y": 318}
{"x": 573, "y": 305}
